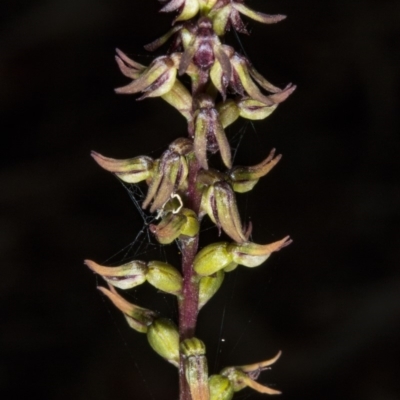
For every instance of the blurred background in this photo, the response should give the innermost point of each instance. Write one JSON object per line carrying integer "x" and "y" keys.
{"x": 330, "y": 301}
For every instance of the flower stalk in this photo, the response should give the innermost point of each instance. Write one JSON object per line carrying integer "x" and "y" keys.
{"x": 183, "y": 187}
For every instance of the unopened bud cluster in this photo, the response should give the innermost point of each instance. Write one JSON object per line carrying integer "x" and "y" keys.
{"x": 183, "y": 188}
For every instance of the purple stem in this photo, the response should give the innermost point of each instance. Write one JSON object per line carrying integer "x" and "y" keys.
{"x": 188, "y": 306}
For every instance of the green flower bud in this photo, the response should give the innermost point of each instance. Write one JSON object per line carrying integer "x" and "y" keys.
{"x": 138, "y": 318}
{"x": 132, "y": 170}
{"x": 219, "y": 203}
{"x": 196, "y": 370}
{"x": 192, "y": 226}
{"x": 125, "y": 276}
{"x": 163, "y": 337}
{"x": 220, "y": 388}
{"x": 164, "y": 277}
{"x": 244, "y": 178}
{"x": 252, "y": 254}
{"x": 244, "y": 376}
{"x": 212, "y": 258}
{"x": 208, "y": 286}
{"x": 193, "y": 347}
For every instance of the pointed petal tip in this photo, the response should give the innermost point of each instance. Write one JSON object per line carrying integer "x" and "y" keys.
{"x": 95, "y": 154}
{"x": 286, "y": 241}
{"x": 272, "y": 360}
{"x": 119, "y": 52}
{"x": 150, "y": 47}
{"x": 290, "y": 88}
{"x": 102, "y": 289}
{"x": 89, "y": 263}
{"x": 100, "y": 159}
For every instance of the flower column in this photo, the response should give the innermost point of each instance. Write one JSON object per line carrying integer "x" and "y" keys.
{"x": 183, "y": 188}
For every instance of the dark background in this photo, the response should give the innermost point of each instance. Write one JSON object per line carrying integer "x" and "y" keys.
{"x": 331, "y": 301}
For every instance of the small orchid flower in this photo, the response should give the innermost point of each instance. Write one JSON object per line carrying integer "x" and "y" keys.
{"x": 226, "y": 13}
{"x": 159, "y": 79}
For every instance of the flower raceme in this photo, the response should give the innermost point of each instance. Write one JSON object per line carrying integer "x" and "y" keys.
{"x": 206, "y": 120}
{"x": 159, "y": 79}
{"x": 166, "y": 179}
{"x": 220, "y": 86}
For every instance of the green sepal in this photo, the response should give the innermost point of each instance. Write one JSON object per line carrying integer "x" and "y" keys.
{"x": 189, "y": 10}
{"x": 252, "y": 254}
{"x": 132, "y": 170}
{"x": 217, "y": 77}
{"x": 257, "y": 16}
{"x": 125, "y": 276}
{"x": 255, "y": 110}
{"x": 243, "y": 179}
{"x": 156, "y": 80}
{"x": 187, "y": 38}
{"x": 208, "y": 286}
{"x": 229, "y": 112}
{"x": 219, "y": 203}
{"x": 220, "y": 19}
{"x": 180, "y": 98}
{"x": 163, "y": 337}
{"x": 207, "y": 123}
{"x": 244, "y": 72}
{"x": 137, "y": 317}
